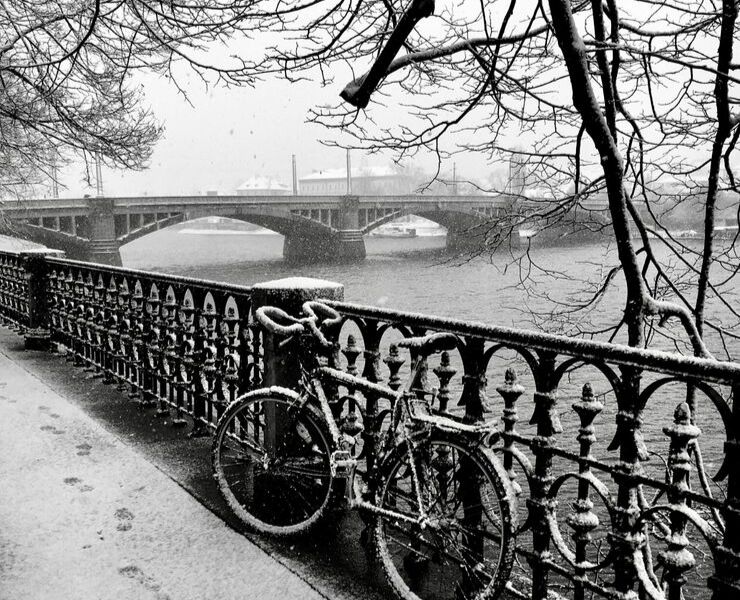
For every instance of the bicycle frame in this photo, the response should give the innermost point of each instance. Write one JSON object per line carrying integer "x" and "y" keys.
{"x": 341, "y": 461}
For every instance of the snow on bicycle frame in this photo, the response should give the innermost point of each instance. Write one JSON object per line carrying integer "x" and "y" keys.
{"x": 320, "y": 315}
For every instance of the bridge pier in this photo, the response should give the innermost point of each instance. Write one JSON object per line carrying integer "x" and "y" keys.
{"x": 345, "y": 244}
{"x": 348, "y": 242}
{"x": 349, "y": 245}
{"x": 103, "y": 246}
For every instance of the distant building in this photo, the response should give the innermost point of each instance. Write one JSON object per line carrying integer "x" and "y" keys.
{"x": 366, "y": 181}
{"x": 262, "y": 186}
{"x": 518, "y": 174}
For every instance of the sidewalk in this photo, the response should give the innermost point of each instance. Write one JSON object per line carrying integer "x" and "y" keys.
{"x": 85, "y": 516}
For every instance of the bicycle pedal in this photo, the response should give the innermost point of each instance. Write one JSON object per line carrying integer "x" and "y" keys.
{"x": 342, "y": 464}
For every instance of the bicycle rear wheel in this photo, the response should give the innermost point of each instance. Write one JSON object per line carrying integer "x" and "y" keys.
{"x": 465, "y": 548}
{"x": 271, "y": 461}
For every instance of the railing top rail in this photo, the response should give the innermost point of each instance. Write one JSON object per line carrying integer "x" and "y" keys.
{"x": 20, "y": 252}
{"x": 589, "y": 350}
{"x": 31, "y": 203}
{"x": 173, "y": 279}
{"x": 310, "y": 199}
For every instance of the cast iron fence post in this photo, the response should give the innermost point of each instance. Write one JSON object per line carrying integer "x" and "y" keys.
{"x": 545, "y": 417}
{"x": 36, "y": 335}
{"x": 281, "y": 364}
{"x": 632, "y": 452}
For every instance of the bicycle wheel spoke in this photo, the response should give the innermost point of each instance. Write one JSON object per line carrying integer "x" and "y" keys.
{"x": 407, "y": 546}
{"x": 458, "y": 559}
{"x": 316, "y": 473}
{"x": 255, "y": 450}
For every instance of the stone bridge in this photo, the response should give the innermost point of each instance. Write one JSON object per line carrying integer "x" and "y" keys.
{"x": 315, "y": 227}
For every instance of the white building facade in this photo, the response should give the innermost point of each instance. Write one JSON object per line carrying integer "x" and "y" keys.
{"x": 365, "y": 181}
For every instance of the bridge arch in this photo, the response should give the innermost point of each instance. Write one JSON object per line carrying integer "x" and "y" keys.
{"x": 467, "y": 228}
{"x": 315, "y": 227}
{"x": 305, "y": 238}
{"x": 286, "y": 226}
{"x": 133, "y": 225}
{"x": 446, "y": 218}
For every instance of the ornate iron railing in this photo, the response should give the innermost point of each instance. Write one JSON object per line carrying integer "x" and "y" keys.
{"x": 172, "y": 342}
{"x": 609, "y": 448}
{"x": 13, "y": 291}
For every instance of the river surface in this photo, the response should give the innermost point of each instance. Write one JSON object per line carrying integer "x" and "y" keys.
{"x": 404, "y": 273}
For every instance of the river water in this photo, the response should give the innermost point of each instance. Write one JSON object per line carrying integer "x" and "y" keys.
{"x": 403, "y": 273}
{"x": 413, "y": 274}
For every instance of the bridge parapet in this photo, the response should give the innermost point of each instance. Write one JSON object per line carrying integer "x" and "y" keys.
{"x": 611, "y": 468}
{"x": 124, "y": 204}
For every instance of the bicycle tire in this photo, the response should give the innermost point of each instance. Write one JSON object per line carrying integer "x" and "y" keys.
{"x": 288, "y": 492}
{"x": 449, "y": 557}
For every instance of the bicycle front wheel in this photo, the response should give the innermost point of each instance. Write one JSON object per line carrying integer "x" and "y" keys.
{"x": 447, "y": 533}
{"x": 271, "y": 461}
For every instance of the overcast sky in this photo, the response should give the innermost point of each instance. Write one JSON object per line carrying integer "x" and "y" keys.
{"x": 230, "y": 135}
{"x": 224, "y": 138}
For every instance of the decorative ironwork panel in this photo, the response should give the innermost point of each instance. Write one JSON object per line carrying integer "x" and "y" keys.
{"x": 13, "y": 291}
{"x": 181, "y": 345}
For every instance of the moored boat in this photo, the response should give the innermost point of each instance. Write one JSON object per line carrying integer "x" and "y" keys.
{"x": 394, "y": 230}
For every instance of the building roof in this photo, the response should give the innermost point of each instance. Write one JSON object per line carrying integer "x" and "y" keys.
{"x": 328, "y": 174}
{"x": 263, "y": 184}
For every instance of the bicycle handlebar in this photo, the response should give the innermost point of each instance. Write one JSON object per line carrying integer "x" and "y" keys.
{"x": 317, "y": 315}
{"x": 318, "y": 311}
{"x": 429, "y": 344}
{"x": 267, "y": 315}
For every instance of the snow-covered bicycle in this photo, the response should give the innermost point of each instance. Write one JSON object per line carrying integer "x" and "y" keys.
{"x": 439, "y": 502}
